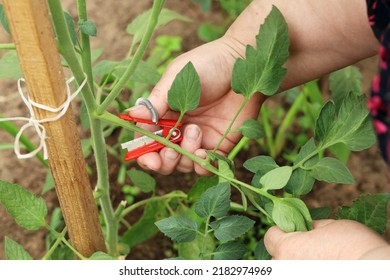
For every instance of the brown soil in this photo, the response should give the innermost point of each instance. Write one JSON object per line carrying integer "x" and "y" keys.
{"x": 111, "y": 18}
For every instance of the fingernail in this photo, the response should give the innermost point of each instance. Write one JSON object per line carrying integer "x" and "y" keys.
{"x": 171, "y": 154}
{"x": 193, "y": 132}
{"x": 134, "y": 109}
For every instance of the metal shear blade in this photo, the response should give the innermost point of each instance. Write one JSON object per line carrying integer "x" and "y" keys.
{"x": 139, "y": 142}
{"x": 143, "y": 145}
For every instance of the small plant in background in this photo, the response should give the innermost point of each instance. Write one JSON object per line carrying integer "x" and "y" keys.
{"x": 213, "y": 219}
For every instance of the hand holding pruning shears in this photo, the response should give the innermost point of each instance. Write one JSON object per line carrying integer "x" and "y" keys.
{"x": 202, "y": 128}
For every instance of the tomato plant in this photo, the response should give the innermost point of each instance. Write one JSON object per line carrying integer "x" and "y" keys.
{"x": 206, "y": 222}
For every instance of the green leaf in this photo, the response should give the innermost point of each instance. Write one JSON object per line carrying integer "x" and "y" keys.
{"x": 341, "y": 152}
{"x": 291, "y": 214}
{"x": 231, "y": 227}
{"x": 178, "y": 229}
{"x": 320, "y": 213}
{"x": 263, "y": 71}
{"x": 276, "y": 178}
{"x": 9, "y": 66}
{"x": 142, "y": 180}
{"x": 3, "y": 19}
{"x": 15, "y": 251}
{"x": 200, "y": 186}
{"x": 261, "y": 252}
{"x": 138, "y": 26}
{"x": 49, "y": 182}
{"x": 331, "y": 170}
{"x": 70, "y": 24}
{"x": 205, "y": 4}
{"x": 56, "y": 219}
{"x": 214, "y": 202}
{"x": 306, "y": 153}
{"x": 325, "y": 120}
{"x": 184, "y": 94}
{"x": 145, "y": 227}
{"x": 229, "y": 251}
{"x": 28, "y": 210}
{"x": 218, "y": 157}
{"x": 368, "y": 209}
{"x": 252, "y": 129}
{"x": 262, "y": 164}
{"x": 234, "y": 7}
{"x": 101, "y": 256}
{"x": 344, "y": 81}
{"x": 301, "y": 182}
{"x": 353, "y": 125}
{"x": 208, "y": 32}
{"x": 225, "y": 169}
{"x": 144, "y": 73}
{"x": 193, "y": 250}
{"x": 87, "y": 27}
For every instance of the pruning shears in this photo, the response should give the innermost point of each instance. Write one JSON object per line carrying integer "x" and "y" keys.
{"x": 143, "y": 145}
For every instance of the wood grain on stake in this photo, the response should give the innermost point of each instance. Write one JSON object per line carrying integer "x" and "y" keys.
{"x": 40, "y": 62}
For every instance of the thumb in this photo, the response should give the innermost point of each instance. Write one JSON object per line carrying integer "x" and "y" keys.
{"x": 159, "y": 95}
{"x": 272, "y": 239}
{"x": 158, "y": 99}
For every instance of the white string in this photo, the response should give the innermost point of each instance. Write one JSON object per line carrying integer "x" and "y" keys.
{"x": 37, "y": 124}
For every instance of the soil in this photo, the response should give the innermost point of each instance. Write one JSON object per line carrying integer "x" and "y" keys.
{"x": 111, "y": 19}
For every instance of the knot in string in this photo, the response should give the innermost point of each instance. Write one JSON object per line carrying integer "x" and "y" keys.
{"x": 37, "y": 124}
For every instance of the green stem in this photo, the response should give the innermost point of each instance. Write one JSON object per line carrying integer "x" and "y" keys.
{"x": 58, "y": 241}
{"x": 67, "y": 50}
{"x": 267, "y": 130}
{"x": 168, "y": 196}
{"x": 61, "y": 237}
{"x": 280, "y": 137}
{"x": 175, "y": 127}
{"x": 240, "y": 145}
{"x": 13, "y": 130}
{"x": 110, "y": 118}
{"x": 228, "y": 130}
{"x": 85, "y": 44}
{"x": 206, "y": 232}
{"x": 153, "y": 20}
{"x": 7, "y": 46}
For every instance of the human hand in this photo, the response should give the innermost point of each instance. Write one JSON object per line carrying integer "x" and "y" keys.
{"x": 330, "y": 239}
{"x": 345, "y": 38}
{"x": 206, "y": 124}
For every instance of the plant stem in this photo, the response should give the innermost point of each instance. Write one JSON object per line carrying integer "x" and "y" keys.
{"x": 110, "y": 118}
{"x": 67, "y": 50}
{"x": 228, "y": 130}
{"x": 168, "y": 196}
{"x": 85, "y": 44}
{"x": 61, "y": 238}
{"x": 267, "y": 130}
{"x": 56, "y": 243}
{"x": 202, "y": 252}
{"x": 280, "y": 137}
{"x": 7, "y": 46}
{"x": 153, "y": 20}
{"x": 13, "y": 130}
{"x": 240, "y": 145}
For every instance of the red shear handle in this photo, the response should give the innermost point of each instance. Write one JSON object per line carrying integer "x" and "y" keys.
{"x": 152, "y": 147}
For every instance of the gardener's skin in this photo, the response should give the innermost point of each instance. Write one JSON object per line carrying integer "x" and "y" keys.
{"x": 320, "y": 43}
{"x": 330, "y": 239}
{"x": 325, "y": 36}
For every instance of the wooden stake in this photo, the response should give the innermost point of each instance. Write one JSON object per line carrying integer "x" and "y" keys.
{"x": 40, "y": 62}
